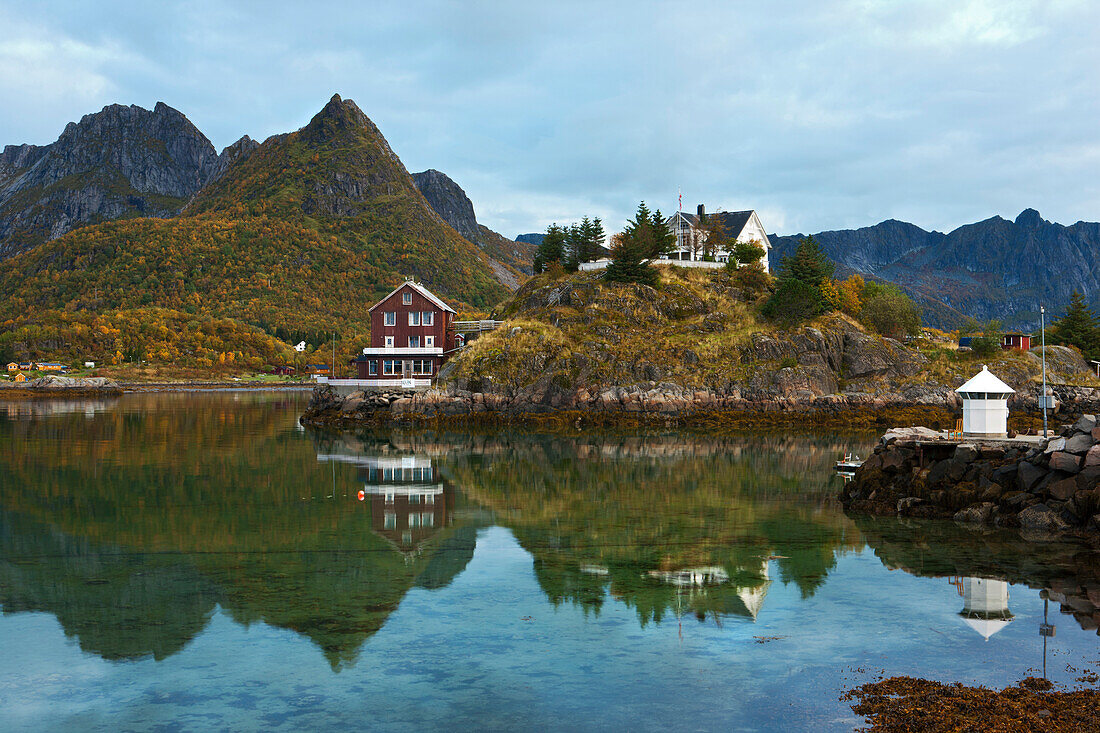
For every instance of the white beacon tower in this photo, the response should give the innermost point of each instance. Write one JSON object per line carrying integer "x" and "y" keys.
{"x": 985, "y": 405}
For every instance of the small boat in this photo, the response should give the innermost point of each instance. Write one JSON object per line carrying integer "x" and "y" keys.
{"x": 850, "y": 463}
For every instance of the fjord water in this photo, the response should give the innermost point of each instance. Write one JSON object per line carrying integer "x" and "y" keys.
{"x": 199, "y": 561}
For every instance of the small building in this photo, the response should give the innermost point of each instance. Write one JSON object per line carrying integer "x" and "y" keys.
{"x": 985, "y": 405}
{"x": 89, "y": 365}
{"x": 412, "y": 334}
{"x": 1021, "y": 341}
{"x": 26, "y": 366}
{"x": 283, "y": 371}
{"x": 21, "y": 377}
{"x": 13, "y": 366}
{"x": 46, "y": 366}
{"x": 965, "y": 341}
{"x": 319, "y": 369}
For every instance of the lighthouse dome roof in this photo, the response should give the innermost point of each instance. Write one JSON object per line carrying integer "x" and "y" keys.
{"x": 985, "y": 381}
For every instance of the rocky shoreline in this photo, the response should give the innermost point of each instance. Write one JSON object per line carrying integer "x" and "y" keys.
{"x": 56, "y": 386}
{"x": 664, "y": 404}
{"x": 1048, "y": 485}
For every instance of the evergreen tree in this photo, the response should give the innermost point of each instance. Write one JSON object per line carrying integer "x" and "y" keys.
{"x": 808, "y": 264}
{"x": 552, "y": 248}
{"x": 640, "y": 241}
{"x": 1078, "y": 327}
{"x": 597, "y": 237}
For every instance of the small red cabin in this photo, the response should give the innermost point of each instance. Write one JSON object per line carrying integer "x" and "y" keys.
{"x": 411, "y": 335}
{"x": 1019, "y": 341}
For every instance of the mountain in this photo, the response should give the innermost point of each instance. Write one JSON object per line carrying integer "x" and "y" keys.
{"x": 535, "y": 239}
{"x": 451, "y": 202}
{"x": 299, "y": 235}
{"x": 994, "y": 269}
{"x": 120, "y": 162}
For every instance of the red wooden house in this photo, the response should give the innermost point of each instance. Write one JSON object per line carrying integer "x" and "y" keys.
{"x": 411, "y": 335}
{"x": 1021, "y": 341}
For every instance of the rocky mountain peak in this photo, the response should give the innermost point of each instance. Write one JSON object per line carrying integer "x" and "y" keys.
{"x": 449, "y": 201}
{"x": 1029, "y": 218}
{"x": 122, "y": 160}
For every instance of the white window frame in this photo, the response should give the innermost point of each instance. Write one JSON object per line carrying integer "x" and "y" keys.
{"x": 389, "y": 318}
{"x": 429, "y": 342}
{"x": 372, "y": 367}
{"x": 428, "y": 318}
{"x": 389, "y": 342}
{"x": 406, "y": 298}
{"x": 389, "y": 367}
{"x": 414, "y": 342}
{"x": 389, "y": 520}
{"x": 414, "y": 318}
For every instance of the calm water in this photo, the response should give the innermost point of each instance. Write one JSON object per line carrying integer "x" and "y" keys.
{"x": 188, "y": 562}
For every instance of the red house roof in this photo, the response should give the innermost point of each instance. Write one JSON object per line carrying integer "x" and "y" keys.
{"x": 418, "y": 288}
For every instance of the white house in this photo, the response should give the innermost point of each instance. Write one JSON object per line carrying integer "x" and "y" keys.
{"x": 985, "y": 405}
{"x": 740, "y": 226}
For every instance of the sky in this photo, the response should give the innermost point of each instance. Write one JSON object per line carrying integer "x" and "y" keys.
{"x": 819, "y": 114}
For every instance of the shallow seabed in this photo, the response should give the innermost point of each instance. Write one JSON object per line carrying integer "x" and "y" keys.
{"x": 189, "y": 562}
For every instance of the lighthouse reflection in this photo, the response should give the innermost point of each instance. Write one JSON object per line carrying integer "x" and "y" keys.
{"x": 985, "y": 605}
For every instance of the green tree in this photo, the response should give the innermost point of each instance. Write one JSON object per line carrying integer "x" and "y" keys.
{"x": 747, "y": 253}
{"x": 643, "y": 239}
{"x": 889, "y": 311}
{"x": 1078, "y": 327}
{"x": 794, "y": 301}
{"x": 808, "y": 264}
{"x": 552, "y": 248}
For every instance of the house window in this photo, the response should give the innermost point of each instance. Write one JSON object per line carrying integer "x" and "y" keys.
{"x": 407, "y": 298}
{"x": 428, "y": 318}
{"x": 414, "y": 318}
{"x": 389, "y": 497}
{"x": 372, "y": 366}
{"x": 429, "y": 341}
{"x": 427, "y": 519}
{"x": 414, "y": 520}
{"x": 390, "y": 521}
{"x": 429, "y": 498}
{"x": 422, "y": 366}
{"x": 390, "y": 318}
{"x": 390, "y": 366}
{"x": 414, "y": 342}
{"x": 389, "y": 342}
{"x": 414, "y": 498}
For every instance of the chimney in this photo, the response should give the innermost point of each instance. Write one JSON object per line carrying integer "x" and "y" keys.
{"x": 701, "y": 211}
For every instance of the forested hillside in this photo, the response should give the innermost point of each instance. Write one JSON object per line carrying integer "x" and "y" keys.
{"x": 299, "y": 237}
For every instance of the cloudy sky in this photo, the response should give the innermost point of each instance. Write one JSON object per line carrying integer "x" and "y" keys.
{"x": 819, "y": 114}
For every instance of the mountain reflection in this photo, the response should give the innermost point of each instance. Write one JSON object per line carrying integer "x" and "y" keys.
{"x": 134, "y": 525}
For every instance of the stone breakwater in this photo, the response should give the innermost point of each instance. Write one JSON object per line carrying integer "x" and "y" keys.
{"x": 56, "y": 386}
{"x": 1038, "y": 484}
{"x": 655, "y": 404}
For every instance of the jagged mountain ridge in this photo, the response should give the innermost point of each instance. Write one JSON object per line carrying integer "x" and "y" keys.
{"x": 123, "y": 161}
{"x": 451, "y": 202}
{"x": 299, "y": 233}
{"x": 992, "y": 269}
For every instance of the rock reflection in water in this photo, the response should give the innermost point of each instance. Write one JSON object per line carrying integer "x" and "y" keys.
{"x": 989, "y": 560}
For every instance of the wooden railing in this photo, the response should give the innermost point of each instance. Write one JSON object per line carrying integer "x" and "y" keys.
{"x": 476, "y": 326}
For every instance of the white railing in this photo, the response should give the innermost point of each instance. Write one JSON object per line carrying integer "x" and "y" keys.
{"x": 400, "y": 382}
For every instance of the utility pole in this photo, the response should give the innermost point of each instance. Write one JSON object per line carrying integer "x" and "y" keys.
{"x": 334, "y": 355}
{"x": 1043, "y": 331}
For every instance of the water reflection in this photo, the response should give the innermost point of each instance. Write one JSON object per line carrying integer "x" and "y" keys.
{"x": 135, "y": 522}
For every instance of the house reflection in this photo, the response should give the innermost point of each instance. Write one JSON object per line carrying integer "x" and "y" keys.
{"x": 408, "y": 499}
{"x": 706, "y": 581}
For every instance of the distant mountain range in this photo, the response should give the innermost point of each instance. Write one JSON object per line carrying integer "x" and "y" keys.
{"x": 994, "y": 269}
{"x": 134, "y": 208}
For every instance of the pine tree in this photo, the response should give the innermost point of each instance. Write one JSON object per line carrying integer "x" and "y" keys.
{"x": 1078, "y": 327}
{"x": 552, "y": 248}
{"x": 640, "y": 241}
{"x": 808, "y": 264}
